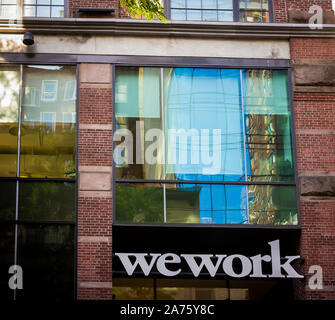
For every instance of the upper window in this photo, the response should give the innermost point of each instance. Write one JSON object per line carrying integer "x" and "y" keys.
{"x": 32, "y": 8}
{"x": 43, "y": 8}
{"x": 221, "y": 10}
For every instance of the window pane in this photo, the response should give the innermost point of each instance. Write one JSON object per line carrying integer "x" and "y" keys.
{"x": 209, "y": 15}
{"x": 272, "y": 205}
{"x": 139, "y": 121}
{"x": 47, "y": 143}
{"x": 178, "y": 3}
{"x": 43, "y": 11}
{"x": 46, "y": 254}
{"x": 57, "y": 12}
{"x": 203, "y": 117}
{"x": 209, "y": 4}
{"x": 139, "y": 203}
{"x": 58, "y": 2}
{"x": 225, "y": 16}
{"x": 8, "y": 11}
{"x": 29, "y": 11}
{"x": 49, "y": 201}
{"x": 7, "y": 200}
{"x": 225, "y": 4}
{"x": 6, "y": 259}
{"x": 43, "y": 1}
{"x": 267, "y": 117}
{"x": 178, "y": 14}
{"x": 194, "y": 4}
{"x": 193, "y": 14}
{"x": 210, "y": 204}
{"x": 29, "y": 2}
{"x": 9, "y": 104}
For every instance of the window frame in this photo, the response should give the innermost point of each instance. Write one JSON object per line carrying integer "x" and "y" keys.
{"x": 20, "y": 10}
{"x": 269, "y": 64}
{"x": 236, "y": 12}
{"x": 43, "y": 91}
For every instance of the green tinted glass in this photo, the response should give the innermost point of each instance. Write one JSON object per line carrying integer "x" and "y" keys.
{"x": 49, "y": 201}
{"x": 9, "y": 106}
{"x": 48, "y": 122}
{"x": 139, "y": 203}
{"x": 7, "y": 200}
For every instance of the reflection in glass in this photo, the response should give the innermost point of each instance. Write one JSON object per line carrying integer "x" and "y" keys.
{"x": 9, "y": 106}
{"x": 138, "y": 113}
{"x": 203, "y": 119}
{"x": 49, "y": 201}
{"x": 47, "y": 143}
{"x": 267, "y": 120}
{"x": 189, "y": 289}
{"x": 272, "y": 205}
{"x": 210, "y": 204}
{"x": 139, "y": 203}
{"x": 45, "y": 252}
{"x": 7, "y": 200}
{"x": 254, "y": 10}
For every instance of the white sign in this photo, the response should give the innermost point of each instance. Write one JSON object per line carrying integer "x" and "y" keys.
{"x": 251, "y": 267}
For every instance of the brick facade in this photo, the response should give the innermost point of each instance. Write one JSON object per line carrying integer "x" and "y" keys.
{"x": 315, "y": 142}
{"x": 95, "y": 207}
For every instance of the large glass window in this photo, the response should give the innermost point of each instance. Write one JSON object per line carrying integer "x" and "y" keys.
{"x": 37, "y": 179}
{"x": 197, "y": 145}
{"x": 221, "y": 10}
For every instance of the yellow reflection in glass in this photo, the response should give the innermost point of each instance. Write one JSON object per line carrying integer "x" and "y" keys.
{"x": 48, "y": 122}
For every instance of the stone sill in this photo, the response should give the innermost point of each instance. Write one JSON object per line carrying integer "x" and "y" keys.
{"x": 124, "y": 27}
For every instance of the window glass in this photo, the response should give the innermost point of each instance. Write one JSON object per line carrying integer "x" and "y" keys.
{"x": 138, "y": 118}
{"x": 272, "y": 205}
{"x": 225, "y": 4}
{"x": 43, "y": 8}
{"x": 139, "y": 203}
{"x": 214, "y": 125}
{"x": 45, "y": 253}
{"x": 9, "y": 104}
{"x": 267, "y": 118}
{"x": 210, "y": 204}
{"x": 7, "y": 200}
{"x": 178, "y": 14}
{"x": 254, "y": 10}
{"x": 203, "y": 120}
{"x": 221, "y": 10}
{"x": 47, "y": 145}
{"x": 49, "y": 201}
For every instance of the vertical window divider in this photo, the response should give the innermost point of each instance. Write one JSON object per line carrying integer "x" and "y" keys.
{"x": 244, "y": 141}
{"x": 163, "y": 130}
{"x": 18, "y": 167}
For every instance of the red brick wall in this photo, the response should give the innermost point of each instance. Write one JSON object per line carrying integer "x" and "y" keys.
{"x": 314, "y": 110}
{"x": 95, "y": 207}
{"x": 280, "y": 7}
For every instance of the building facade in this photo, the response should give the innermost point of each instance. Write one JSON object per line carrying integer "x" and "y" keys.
{"x": 193, "y": 159}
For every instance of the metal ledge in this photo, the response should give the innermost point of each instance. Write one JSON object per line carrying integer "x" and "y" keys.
{"x": 132, "y": 27}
